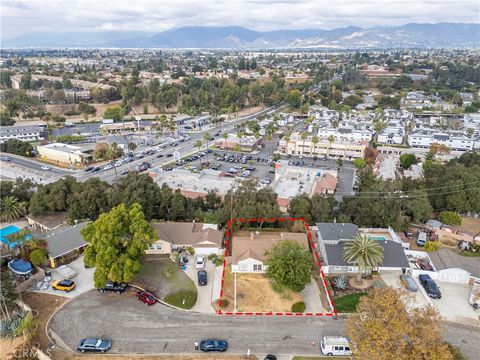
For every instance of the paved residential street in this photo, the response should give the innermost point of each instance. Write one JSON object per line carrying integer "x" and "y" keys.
{"x": 135, "y": 328}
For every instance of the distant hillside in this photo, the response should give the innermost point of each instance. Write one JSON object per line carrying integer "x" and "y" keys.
{"x": 441, "y": 35}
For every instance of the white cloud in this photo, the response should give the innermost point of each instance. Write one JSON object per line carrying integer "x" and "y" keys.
{"x": 148, "y": 15}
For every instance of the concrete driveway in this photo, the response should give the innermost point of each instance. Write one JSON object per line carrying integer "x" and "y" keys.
{"x": 204, "y": 299}
{"x": 454, "y": 304}
{"x": 311, "y": 298}
{"x": 392, "y": 278}
{"x": 83, "y": 280}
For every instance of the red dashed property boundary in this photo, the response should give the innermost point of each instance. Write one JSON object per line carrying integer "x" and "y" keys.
{"x": 315, "y": 253}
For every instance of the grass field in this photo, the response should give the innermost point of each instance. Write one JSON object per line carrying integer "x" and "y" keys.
{"x": 168, "y": 282}
{"x": 347, "y": 303}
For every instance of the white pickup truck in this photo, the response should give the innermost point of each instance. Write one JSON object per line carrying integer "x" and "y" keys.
{"x": 475, "y": 295}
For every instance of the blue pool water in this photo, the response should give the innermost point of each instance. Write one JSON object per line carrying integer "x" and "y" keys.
{"x": 378, "y": 238}
{"x": 12, "y": 229}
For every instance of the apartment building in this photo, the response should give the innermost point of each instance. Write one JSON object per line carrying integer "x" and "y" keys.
{"x": 22, "y": 132}
{"x": 454, "y": 140}
{"x": 347, "y": 133}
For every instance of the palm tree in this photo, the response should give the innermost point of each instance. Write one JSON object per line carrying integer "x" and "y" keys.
{"x": 330, "y": 140}
{"x": 206, "y": 137}
{"x": 304, "y": 136}
{"x": 27, "y": 327}
{"x": 198, "y": 144}
{"x": 314, "y": 142}
{"x": 225, "y": 137}
{"x": 363, "y": 252}
{"x": 12, "y": 209}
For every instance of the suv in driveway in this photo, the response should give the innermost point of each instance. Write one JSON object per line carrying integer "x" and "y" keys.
{"x": 202, "y": 277}
{"x": 430, "y": 287}
{"x": 114, "y": 287}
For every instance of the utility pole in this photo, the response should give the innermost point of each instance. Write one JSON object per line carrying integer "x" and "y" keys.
{"x": 235, "y": 291}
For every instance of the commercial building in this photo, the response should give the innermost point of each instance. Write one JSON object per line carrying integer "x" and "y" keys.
{"x": 63, "y": 154}
{"x": 339, "y": 149}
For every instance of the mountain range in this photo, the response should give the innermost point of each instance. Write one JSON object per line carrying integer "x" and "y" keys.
{"x": 439, "y": 35}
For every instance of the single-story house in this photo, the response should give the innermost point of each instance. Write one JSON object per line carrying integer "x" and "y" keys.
{"x": 47, "y": 222}
{"x": 249, "y": 252}
{"x": 63, "y": 243}
{"x": 434, "y": 224}
{"x": 455, "y": 268}
{"x": 332, "y": 237}
{"x": 206, "y": 239}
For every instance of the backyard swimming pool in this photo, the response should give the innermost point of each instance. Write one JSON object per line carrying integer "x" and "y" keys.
{"x": 9, "y": 230}
{"x": 378, "y": 238}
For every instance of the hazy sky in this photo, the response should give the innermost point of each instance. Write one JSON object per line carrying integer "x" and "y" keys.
{"x": 19, "y": 17}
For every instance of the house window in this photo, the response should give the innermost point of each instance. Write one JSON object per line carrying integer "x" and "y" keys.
{"x": 155, "y": 247}
{"x": 257, "y": 267}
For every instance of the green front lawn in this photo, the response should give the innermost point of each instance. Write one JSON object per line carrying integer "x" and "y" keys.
{"x": 347, "y": 303}
{"x": 167, "y": 281}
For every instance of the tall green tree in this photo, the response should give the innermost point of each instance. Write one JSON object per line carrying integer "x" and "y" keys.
{"x": 117, "y": 240}
{"x": 289, "y": 265}
{"x": 91, "y": 198}
{"x": 364, "y": 253}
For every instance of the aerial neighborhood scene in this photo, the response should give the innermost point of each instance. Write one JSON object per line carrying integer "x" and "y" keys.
{"x": 240, "y": 179}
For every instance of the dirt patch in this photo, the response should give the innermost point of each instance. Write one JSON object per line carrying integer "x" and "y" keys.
{"x": 45, "y": 305}
{"x": 255, "y": 293}
{"x": 470, "y": 224}
{"x": 9, "y": 347}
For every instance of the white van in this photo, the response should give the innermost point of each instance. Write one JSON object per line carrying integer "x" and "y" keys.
{"x": 335, "y": 345}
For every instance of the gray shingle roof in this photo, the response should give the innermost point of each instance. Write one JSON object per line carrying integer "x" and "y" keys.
{"x": 337, "y": 231}
{"x": 447, "y": 259}
{"x": 63, "y": 240}
{"x": 393, "y": 255}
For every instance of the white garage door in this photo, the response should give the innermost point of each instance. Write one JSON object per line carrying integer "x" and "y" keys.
{"x": 458, "y": 276}
{"x": 208, "y": 251}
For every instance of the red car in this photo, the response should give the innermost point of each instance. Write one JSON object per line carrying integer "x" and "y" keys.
{"x": 146, "y": 297}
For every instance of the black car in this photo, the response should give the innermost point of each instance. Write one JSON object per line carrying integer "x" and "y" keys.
{"x": 270, "y": 357}
{"x": 430, "y": 286}
{"x": 94, "y": 345}
{"x": 96, "y": 169}
{"x": 213, "y": 345}
{"x": 90, "y": 168}
{"x": 112, "y": 286}
{"x": 202, "y": 277}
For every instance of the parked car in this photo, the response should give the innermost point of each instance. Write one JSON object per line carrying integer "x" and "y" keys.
{"x": 430, "y": 286}
{"x": 63, "y": 285}
{"x": 213, "y": 345}
{"x": 422, "y": 238}
{"x": 200, "y": 262}
{"x": 111, "y": 286}
{"x": 408, "y": 282}
{"x": 335, "y": 345}
{"x": 94, "y": 345}
{"x": 95, "y": 169}
{"x": 124, "y": 172}
{"x": 146, "y": 297}
{"x": 5, "y": 158}
{"x": 108, "y": 167}
{"x": 45, "y": 168}
{"x": 202, "y": 277}
{"x": 89, "y": 168}
{"x": 270, "y": 357}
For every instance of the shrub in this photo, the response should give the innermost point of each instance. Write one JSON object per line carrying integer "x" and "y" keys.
{"x": 184, "y": 299}
{"x": 190, "y": 250}
{"x": 340, "y": 282}
{"x": 298, "y": 307}
{"x": 432, "y": 246}
{"x": 225, "y": 303}
{"x": 217, "y": 260}
{"x": 450, "y": 218}
{"x": 38, "y": 257}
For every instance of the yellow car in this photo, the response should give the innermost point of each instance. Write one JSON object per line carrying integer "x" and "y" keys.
{"x": 64, "y": 285}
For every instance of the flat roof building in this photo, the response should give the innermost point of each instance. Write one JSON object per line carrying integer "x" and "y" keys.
{"x": 63, "y": 154}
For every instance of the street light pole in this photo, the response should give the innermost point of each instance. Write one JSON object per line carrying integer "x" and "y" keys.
{"x": 235, "y": 291}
